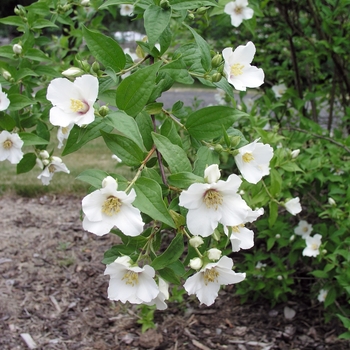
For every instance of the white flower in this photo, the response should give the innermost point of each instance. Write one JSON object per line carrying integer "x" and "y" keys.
{"x": 303, "y": 229}
{"x": 55, "y": 165}
{"x": 126, "y": 10}
{"x": 195, "y": 263}
{"x": 322, "y": 295}
{"x": 107, "y": 207}
{"x": 279, "y": 90}
{"x": 63, "y": 133}
{"x": 206, "y": 283}
{"x": 196, "y": 241}
{"x": 17, "y": 49}
{"x": 238, "y": 10}
{"x": 295, "y": 153}
{"x": 293, "y": 206}
{"x": 162, "y": 295}
{"x": 72, "y": 72}
{"x": 10, "y": 147}
{"x": 4, "y": 101}
{"x": 73, "y": 102}
{"x": 238, "y": 70}
{"x": 312, "y": 245}
{"x": 214, "y": 254}
{"x": 253, "y": 161}
{"x": 44, "y": 154}
{"x": 85, "y": 2}
{"x": 213, "y": 203}
{"x": 212, "y": 173}
{"x": 241, "y": 237}
{"x": 131, "y": 283}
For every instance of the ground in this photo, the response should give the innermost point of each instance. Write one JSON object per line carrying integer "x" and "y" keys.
{"x": 53, "y": 295}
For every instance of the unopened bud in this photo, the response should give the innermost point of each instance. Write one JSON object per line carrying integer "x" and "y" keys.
{"x": 214, "y": 254}
{"x": 278, "y": 236}
{"x": 202, "y": 10}
{"x": 324, "y": 251}
{"x": 17, "y": 49}
{"x": 218, "y": 148}
{"x": 95, "y": 67}
{"x": 44, "y": 154}
{"x": 85, "y": 66}
{"x": 103, "y": 111}
{"x": 196, "y": 241}
{"x": 331, "y": 201}
{"x": 72, "y": 72}
{"x": 190, "y": 16}
{"x": 56, "y": 159}
{"x": 7, "y": 75}
{"x": 196, "y": 263}
{"x": 292, "y": 237}
{"x": 220, "y": 69}
{"x": 164, "y": 4}
{"x": 45, "y": 162}
{"x": 295, "y": 153}
{"x": 85, "y": 3}
{"x": 39, "y": 163}
{"x": 216, "y": 60}
{"x": 279, "y": 277}
{"x": 216, "y": 235}
{"x": 216, "y": 77}
{"x": 235, "y": 140}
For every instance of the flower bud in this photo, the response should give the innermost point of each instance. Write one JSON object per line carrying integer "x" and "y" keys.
{"x": 235, "y": 140}
{"x": 85, "y": 3}
{"x": 216, "y": 77}
{"x": 44, "y": 154}
{"x": 196, "y": 241}
{"x": 295, "y": 153}
{"x": 72, "y": 72}
{"x": 17, "y": 49}
{"x": 56, "y": 159}
{"x": 218, "y": 148}
{"x": 216, "y": 60}
{"x": 190, "y": 16}
{"x": 216, "y": 235}
{"x": 292, "y": 237}
{"x": 279, "y": 277}
{"x": 95, "y": 67}
{"x": 39, "y": 163}
{"x": 220, "y": 69}
{"x": 85, "y": 65}
{"x": 331, "y": 201}
{"x": 164, "y": 4}
{"x": 103, "y": 111}
{"x": 45, "y": 162}
{"x": 196, "y": 263}
{"x": 202, "y": 10}
{"x": 278, "y": 236}
{"x": 214, "y": 254}
{"x": 7, "y": 75}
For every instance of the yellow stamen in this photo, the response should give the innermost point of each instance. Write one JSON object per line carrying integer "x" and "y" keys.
{"x": 78, "y": 106}
{"x": 238, "y": 10}
{"x": 314, "y": 246}
{"x": 111, "y": 206}
{"x": 52, "y": 168}
{"x": 236, "y": 69}
{"x": 7, "y": 144}
{"x": 131, "y": 278}
{"x": 65, "y": 130}
{"x": 237, "y": 228}
{"x": 305, "y": 229}
{"x": 247, "y": 157}
{"x": 213, "y": 199}
{"x": 210, "y": 275}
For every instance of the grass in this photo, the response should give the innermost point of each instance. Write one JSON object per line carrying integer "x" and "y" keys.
{"x": 94, "y": 155}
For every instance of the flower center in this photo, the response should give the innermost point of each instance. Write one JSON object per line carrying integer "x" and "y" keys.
{"x": 305, "y": 229}
{"x": 131, "y": 278}
{"x": 314, "y": 246}
{"x": 111, "y": 206}
{"x": 247, "y": 157}
{"x": 213, "y": 199}
{"x": 7, "y": 144}
{"x": 52, "y": 168}
{"x": 236, "y": 69}
{"x": 237, "y": 228}
{"x": 210, "y": 275}
{"x": 78, "y": 106}
{"x": 238, "y": 10}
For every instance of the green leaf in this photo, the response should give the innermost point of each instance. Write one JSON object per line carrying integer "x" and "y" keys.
{"x": 126, "y": 125}
{"x": 36, "y": 55}
{"x": 30, "y": 139}
{"x": 126, "y": 149}
{"x": 19, "y": 101}
{"x": 6, "y": 122}
{"x": 174, "y": 155}
{"x": 94, "y": 177}
{"x": 171, "y": 254}
{"x": 207, "y": 123}
{"x": 134, "y": 91}
{"x": 184, "y": 179}
{"x": 178, "y": 71}
{"x": 6, "y": 51}
{"x": 43, "y": 23}
{"x": 78, "y": 137}
{"x": 12, "y": 21}
{"x": 273, "y": 213}
{"x": 204, "y": 49}
{"x": 156, "y": 21}
{"x": 205, "y": 157}
{"x": 145, "y": 125}
{"x": 191, "y": 4}
{"x": 319, "y": 274}
{"x": 105, "y": 49}
{"x": 276, "y": 182}
{"x": 149, "y": 200}
{"x": 115, "y": 2}
{"x": 291, "y": 167}
{"x": 27, "y": 163}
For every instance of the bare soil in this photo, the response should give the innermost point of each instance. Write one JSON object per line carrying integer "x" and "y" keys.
{"x": 53, "y": 295}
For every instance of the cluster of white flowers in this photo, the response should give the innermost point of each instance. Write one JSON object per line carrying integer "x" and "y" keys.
{"x": 313, "y": 244}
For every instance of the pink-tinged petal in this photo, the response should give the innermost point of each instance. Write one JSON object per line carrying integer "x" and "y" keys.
{"x": 60, "y": 118}
{"x": 129, "y": 220}
{"x": 60, "y": 92}
{"x": 99, "y": 228}
{"x": 92, "y": 205}
{"x": 85, "y": 118}
{"x": 88, "y": 87}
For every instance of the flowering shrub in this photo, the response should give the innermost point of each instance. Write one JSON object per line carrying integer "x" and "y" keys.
{"x": 200, "y": 178}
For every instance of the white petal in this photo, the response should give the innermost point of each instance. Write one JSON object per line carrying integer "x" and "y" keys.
{"x": 193, "y": 197}
{"x": 212, "y": 173}
{"x": 202, "y": 221}
{"x": 129, "y": 220}
{"x": 59, "y": 117}
{"x": 244, "y": 54}
{"x": 88, "y": 86}
{"x": 99, "y": 228}
{"x": 247, "y": 13}
{"x": 92, "y": 205}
